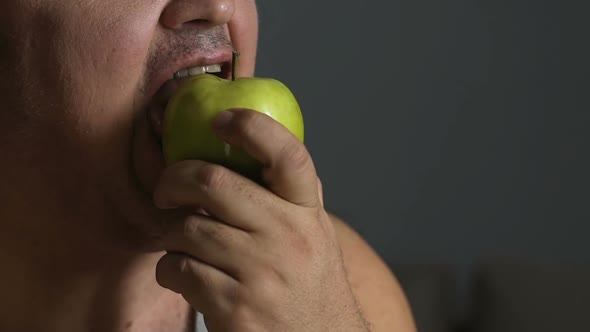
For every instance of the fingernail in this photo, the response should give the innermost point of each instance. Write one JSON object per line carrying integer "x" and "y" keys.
{"x": 222, "y": 119}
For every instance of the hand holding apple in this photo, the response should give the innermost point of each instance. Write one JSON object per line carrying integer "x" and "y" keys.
{"x": 262, "y": 257}
{"x": 250, "y": 256}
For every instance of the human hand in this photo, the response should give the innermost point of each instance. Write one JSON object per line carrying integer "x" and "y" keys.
{"x": 252, "y": 257}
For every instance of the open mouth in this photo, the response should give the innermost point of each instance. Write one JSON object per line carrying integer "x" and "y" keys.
{"x": 169, "y": 88}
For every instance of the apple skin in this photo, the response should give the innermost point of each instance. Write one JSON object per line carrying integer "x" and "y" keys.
{"x": 187, "y": 131}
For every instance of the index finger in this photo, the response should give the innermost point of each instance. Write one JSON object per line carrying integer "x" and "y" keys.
{"x": 287, "y": 166}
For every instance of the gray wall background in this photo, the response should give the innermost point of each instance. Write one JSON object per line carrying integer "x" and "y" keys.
{"x": 444, "y": 131}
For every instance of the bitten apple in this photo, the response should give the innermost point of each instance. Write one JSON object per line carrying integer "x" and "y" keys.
{"x": 187, "y": 131}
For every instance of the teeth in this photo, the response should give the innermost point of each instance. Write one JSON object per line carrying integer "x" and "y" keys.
{"x": 182, "y": 73}
{"x": 193, "y": 71}
{"x": 197, "y": 71}
{"x": 213, "y": 69}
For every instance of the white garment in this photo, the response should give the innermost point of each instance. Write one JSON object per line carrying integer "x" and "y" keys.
{"x": 200, "y": 323}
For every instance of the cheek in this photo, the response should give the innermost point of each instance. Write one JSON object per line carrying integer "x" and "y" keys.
{"x": 78, "y": 79}
{"x": 106, "y": 66}
{"x": 91, "y": 65}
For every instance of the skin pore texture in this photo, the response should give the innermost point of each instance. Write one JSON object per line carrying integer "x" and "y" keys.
{"x": 87, "y": 204}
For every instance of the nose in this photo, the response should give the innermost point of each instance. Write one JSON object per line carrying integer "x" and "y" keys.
{"x": 206, "y": 13}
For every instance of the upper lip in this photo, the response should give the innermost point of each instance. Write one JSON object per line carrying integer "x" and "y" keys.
{"x": 221, "y": 56}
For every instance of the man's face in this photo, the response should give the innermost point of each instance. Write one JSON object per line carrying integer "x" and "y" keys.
{"x": 84, "y": 83}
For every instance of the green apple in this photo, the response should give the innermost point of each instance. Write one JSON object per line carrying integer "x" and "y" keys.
{"x": 187, "y": 131}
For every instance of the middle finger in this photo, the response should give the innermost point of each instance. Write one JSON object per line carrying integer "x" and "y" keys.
{"x": 210, "y": 241}
{"x": 226, "y": 195}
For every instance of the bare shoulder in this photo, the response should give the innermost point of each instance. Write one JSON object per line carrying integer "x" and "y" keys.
{"x": 374, "y": 285}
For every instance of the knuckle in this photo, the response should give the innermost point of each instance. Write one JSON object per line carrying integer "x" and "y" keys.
{"x": 191, "y": 227}
{"x": 297, "y": 156}
{"x": 302, "y": 245}
{"x": 195, "y": 227}
{"x": 184, "y": 266}
{"x": 301, "y": 231}
{"x": 211, "y": 177}
{"x": 298, "y": 239}
{"x": 291, "y": 225}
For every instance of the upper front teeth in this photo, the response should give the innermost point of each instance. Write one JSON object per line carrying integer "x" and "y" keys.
{"x": 197, "y": 71}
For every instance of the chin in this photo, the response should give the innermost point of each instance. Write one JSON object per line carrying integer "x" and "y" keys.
{"x": 133, "y": 223}
{"x": 139, "y": 226}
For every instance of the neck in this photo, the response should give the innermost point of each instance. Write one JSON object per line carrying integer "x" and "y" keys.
{"x": 87, "y": 294}
{"x": 55, "y": 279}
{"x": 58, "y": 271}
